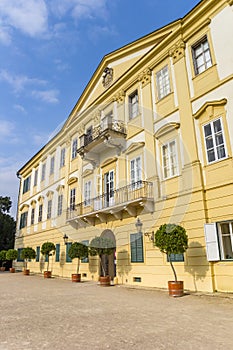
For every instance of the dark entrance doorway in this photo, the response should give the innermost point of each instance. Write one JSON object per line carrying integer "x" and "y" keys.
{"x": 109, "y": 261}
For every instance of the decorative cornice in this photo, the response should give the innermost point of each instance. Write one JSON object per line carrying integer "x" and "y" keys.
{"x": 145, "y": 76}
{"x": 166, "y": 129}
{"x": 209, "y": 106}
{"x": 177, "y": 51}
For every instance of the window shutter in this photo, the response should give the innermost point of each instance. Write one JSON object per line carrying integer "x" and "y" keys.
{"x": 68, "y": 259}
{"x": 211, "y": 239}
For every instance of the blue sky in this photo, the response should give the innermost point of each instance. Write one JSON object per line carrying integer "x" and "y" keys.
{"x": 49, "y": 50}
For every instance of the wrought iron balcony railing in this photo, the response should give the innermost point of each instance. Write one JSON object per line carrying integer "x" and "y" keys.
{"x": 132, "y": 194}
{"x": 107, "y": 124}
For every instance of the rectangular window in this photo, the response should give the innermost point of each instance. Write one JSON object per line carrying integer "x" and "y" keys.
{"x": 133, "y": 105}
{"x": 37, "y": 254}
{"x": 57, "y": 256}
{"x": 201, "y": 56}
{"x": 176, "y": 257}
{"x": 72, "y": 198}
{"x": 85, "y": 260}
{"x": 225, "y": 232}
{"x": 169, "y": 156}
{"x": 163, "y": 82}
{"x": 49, "y": 209}
{"x": 19, "y": 255}
{"x": 36, "y": 177}
{"x": 68, "y": 259}
{"x": 26, "y": 184}
{"x": 40, "y": 212}
{"x": 59, "y": 205}
{"x": 43, "y": 172}
{"x": 23, "y": 220}
{"x": 62, "y": 158}
{"x": 214, "y": 141}
{"x": 87, "y": 193}
{"x": 52, "y": 162}
{"x": 136, "y": 247}
{"x": 74, "y": 148}
{"x": 136, "y": 172}
{"x": 33, "y": 216}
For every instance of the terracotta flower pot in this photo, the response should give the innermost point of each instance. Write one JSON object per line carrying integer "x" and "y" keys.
{"x": 176, "y": 289}
{"x": 2, "y": 268}
{"x": 47, "y": 274}
{"x": 26, "y": 272}
{"x": 76, "y": 277}
{"x": 104, "y": 281}
{"x": 12, "y": 269}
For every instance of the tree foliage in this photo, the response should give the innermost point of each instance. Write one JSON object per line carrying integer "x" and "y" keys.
{"x": 101, "y": 246}
{"x": 11, "y": 254}
{"x": 46, "y": 250}
{"x": 28, "y": 253}
{"x": 171, "y": 239}
{"x": 79, "y": 251}
{"x": 7, "y": 225}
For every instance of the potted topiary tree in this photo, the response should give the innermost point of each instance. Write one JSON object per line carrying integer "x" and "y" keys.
{"x": 79, "y": 251}
{"x": 46, "y": 250}
{"x": 11, "y": 254}
{"x": 27, "y": 254}
{"x": 102, "y": 246}
{"x": 172, "y": 239}
{"x": 2, "y": 259}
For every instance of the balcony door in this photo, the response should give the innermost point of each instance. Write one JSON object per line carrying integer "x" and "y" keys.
{"x": 109, "y": 188}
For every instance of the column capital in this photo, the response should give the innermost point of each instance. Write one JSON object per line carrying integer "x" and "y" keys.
{"x": 177, "y": 51}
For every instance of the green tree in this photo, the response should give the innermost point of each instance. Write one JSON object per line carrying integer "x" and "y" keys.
{"x": 7, "y": 224}
{"x": 171, "y": 239}
{"x": 47, "y": 249}
{"x": 101, "y": 246}
{"x": 79, "y": 251}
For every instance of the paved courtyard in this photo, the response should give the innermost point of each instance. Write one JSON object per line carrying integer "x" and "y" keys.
{"x": 38, "y": 313}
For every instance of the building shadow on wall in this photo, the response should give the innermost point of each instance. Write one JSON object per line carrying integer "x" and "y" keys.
{"x": 123, "y": 264}
{"x": 197, "y": 264}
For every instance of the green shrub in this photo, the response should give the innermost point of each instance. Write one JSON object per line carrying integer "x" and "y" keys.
{"x": 79, "y": 251}
{"x": 46, "y": 250}
{"x": 28, "y": 253}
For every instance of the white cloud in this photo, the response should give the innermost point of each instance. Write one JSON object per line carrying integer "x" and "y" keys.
{"x": 18, "y": 82}
{"x": 28, "y": 16}
{"x": 80, "y": 9}
{"x": 49, "y": 96}
{"x": 20, "y": 108}
{"x": 6, "y": 129}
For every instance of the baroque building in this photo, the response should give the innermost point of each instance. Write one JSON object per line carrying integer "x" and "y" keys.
{"x": 148, "y": 139}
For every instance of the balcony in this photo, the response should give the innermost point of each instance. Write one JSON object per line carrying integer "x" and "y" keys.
{"x": 126, "y": 201}
{"x": 108, "y": 133}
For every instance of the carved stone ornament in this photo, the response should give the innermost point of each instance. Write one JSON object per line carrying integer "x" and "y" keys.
{"x": 96, "y": 117}
{"x": 230, "y": 2}
{"x": 107, "y": 77}
{"x": 145, "y": 76}
{"x": 120, "y": 96}
{"x": 177, "y": 51}
{"x": 81, "y": 129}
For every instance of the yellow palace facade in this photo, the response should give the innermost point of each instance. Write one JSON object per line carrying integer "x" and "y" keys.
{"x": 149, "y": 139}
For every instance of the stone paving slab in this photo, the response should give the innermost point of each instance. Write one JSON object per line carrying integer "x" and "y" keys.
{"x": 38, "y": 313}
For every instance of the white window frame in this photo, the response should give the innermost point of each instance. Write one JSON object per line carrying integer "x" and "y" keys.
{"x": 221, "y": 235}
{"x": 87, "y": 193}
{"x": 49, "y": 209}
{"x": 43, "y": 171}
{"x": 199, "y": 51}
{"x": 63, "y": 157}
{"x": 40, "y": 212}
{"x": 163, "y": 82}
{"x": 136, "y": 172}
{"x": 74, "y": 148}
{"x": 214, "y": 137}
{"x": 72, "y": 198}
{"x": 169, "y": 167}
{"x": 52, "y": 163}
{"x": 133, "y": 105}
{"x": 59, "y": 204}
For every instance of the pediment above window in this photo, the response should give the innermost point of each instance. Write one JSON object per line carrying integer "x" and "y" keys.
{"x": 165, "y": 129}
{"x": 49, "y": 194}
{"x": 72, "y": 180}
{"x": 60, "y": 188}
{"x": 108, "y": 161}
{"x": 33, "y": 203}
{"x": 134, "y": 146}
{"x": 40, "y": 199}
{"x": 208, "y": 108}
{"x": 87, "y": 172}
{"x": 24, "y": 206}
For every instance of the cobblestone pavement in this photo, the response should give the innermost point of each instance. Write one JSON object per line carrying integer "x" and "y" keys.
{"x": 38, "y": 313}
